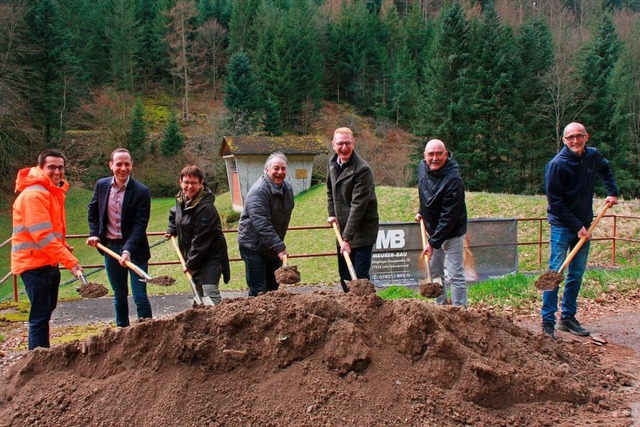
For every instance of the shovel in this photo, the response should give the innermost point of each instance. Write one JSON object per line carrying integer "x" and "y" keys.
{"x": 206, "y": 300}
{"x": 347, "y": 258}
{"x": 551, "y": 279}
{"x": 428, "y": 288}
{"x": 129, "y": 264}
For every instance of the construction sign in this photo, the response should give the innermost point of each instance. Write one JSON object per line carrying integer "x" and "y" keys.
{"x": 491, "y": 250}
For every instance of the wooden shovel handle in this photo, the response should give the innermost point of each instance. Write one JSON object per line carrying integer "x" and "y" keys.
{"x": 129, "y": 264}
{"x": 285, "y": 261}
{"x": 583, "y": 239}
{"x": 423, "y": 234}
{"x": 347, "y": 258}
{"x": 196, "y": 295}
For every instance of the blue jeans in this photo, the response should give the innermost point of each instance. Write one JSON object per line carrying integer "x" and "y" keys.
{"x": 561, "y": 242}
{"x": 117, "y": 275}
{"x": 259, "y": 271}
{"x": 41, "y": 285}
{"x": 361, "y": 260}
{"x": 450, "y": 257}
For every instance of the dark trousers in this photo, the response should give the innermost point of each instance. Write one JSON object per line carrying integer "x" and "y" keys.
{"x": 41, "y": 285}
{"x": 259, "y": 271}
{"x": 361, "y": 260}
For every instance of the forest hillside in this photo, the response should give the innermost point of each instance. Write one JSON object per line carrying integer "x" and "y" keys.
{"x": 497, "y": 80}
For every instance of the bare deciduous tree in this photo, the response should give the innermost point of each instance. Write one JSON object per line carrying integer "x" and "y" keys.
{"x": 179, "y": 36}
{"x": 209, "y": 52}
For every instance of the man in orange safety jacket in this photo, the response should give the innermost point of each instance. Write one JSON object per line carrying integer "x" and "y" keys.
{"x": 38, "y": 241}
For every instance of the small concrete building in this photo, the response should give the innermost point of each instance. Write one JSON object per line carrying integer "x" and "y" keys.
{"x": 244, "y": 158}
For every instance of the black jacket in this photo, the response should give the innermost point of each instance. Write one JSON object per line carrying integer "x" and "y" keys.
{"x": 265, "y": 217}
{"x": 442, "y": 203}
{"x": 200, "y": 237}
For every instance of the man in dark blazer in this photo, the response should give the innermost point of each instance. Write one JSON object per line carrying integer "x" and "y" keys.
{"x": 352, "y": 203}
{"x": 118, "y": 217}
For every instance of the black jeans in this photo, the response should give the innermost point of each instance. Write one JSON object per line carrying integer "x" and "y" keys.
{"x": 41, "y": 285}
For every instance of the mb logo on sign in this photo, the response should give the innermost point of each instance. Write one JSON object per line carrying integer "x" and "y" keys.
{"x": 390, "y": 239}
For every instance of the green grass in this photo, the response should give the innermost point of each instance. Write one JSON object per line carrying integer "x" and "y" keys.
{"x": 395, "y": 205}
{"x": 399, "y": 292}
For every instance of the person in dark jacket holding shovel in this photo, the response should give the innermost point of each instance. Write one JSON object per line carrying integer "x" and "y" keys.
{"x": 443, "y": 208}
{"x": 352, "y": 203}
{"x": 569, "y": 183}
{"x": 263, "y": 226}
{"x": 118, "y": 216}
{"x": 195, "y": 221}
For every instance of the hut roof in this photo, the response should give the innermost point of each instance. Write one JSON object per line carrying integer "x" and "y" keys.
{"x": 290, "y": 144}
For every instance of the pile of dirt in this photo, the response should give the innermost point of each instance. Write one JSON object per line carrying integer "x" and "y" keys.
{"x": 92, "y": 290}
{"x": 316, "y": 359}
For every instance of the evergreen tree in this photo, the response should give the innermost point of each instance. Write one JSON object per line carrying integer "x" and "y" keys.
{"x": 490, "y": 159}
{"x": 624, "y": 89}
{"x": 595, "y": 73}
{"x": 152, "y": 56}
{"x": 242, "y": 32}
{"x": 272, "y": 121}
{"x": 288, "y": 59}
{"x": 173, "y": 140}
{"x": 355, "y": 56}
{"x": 138, "y": 134}
{"x": 242, "y": 95}
{"x": 49, "y": 55}
{"x": 122, "y": 38}
{"x": 535, "y": 43}
{"x": 443, "y": 104}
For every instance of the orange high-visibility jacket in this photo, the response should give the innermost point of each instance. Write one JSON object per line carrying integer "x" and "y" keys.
{"x": 39, "y": 223}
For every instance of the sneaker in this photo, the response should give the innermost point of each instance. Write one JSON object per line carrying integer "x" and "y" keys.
{"x": 549, "y": 329}
{"x": 571, "y": 324}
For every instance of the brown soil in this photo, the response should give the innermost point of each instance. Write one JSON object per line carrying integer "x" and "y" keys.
{"x": 431, "y": 289}
{"x": 324, "y": 359}
{"x": 549, "y": 280}
{"x": 361, "y": 287}
{"x": 287, "y": 275}
{"x": 92, "y": 290}
{"x": 162, "y": 280}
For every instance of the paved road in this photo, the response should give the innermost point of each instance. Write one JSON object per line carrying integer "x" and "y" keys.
{"x": 96, "y": 310}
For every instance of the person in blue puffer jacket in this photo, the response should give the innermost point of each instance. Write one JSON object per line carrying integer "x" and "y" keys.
{"x": 569, "y": 184}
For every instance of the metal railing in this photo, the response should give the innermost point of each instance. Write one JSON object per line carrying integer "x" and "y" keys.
{"x": 540, "y": 243}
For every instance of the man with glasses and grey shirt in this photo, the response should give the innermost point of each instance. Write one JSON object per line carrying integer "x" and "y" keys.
{"x": 569, "y": 183}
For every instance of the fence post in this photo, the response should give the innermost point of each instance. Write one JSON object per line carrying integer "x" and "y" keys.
{"x": 613, "y": 240}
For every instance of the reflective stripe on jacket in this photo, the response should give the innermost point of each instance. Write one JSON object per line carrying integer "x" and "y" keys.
{"x": 39, "y": 224}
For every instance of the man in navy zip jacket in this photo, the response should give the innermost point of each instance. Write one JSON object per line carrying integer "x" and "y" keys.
{"x": 444, "y": 210}
{"x": 569, "y": 183}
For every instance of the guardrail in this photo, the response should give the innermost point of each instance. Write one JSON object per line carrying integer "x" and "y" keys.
{"x": 540, "y": 243}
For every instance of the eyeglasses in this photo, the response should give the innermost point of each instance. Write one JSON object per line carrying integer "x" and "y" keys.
{"x": 343, "y": 144}
{"x": 190, "y": 183}
{"x": 577, "y": 137}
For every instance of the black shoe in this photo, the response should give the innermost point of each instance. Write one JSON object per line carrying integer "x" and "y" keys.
{"x": 549, "y": 329}
{"x": 571, "y": 324}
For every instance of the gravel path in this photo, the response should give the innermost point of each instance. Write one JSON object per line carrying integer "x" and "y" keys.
{"x": 94, "y": 310}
